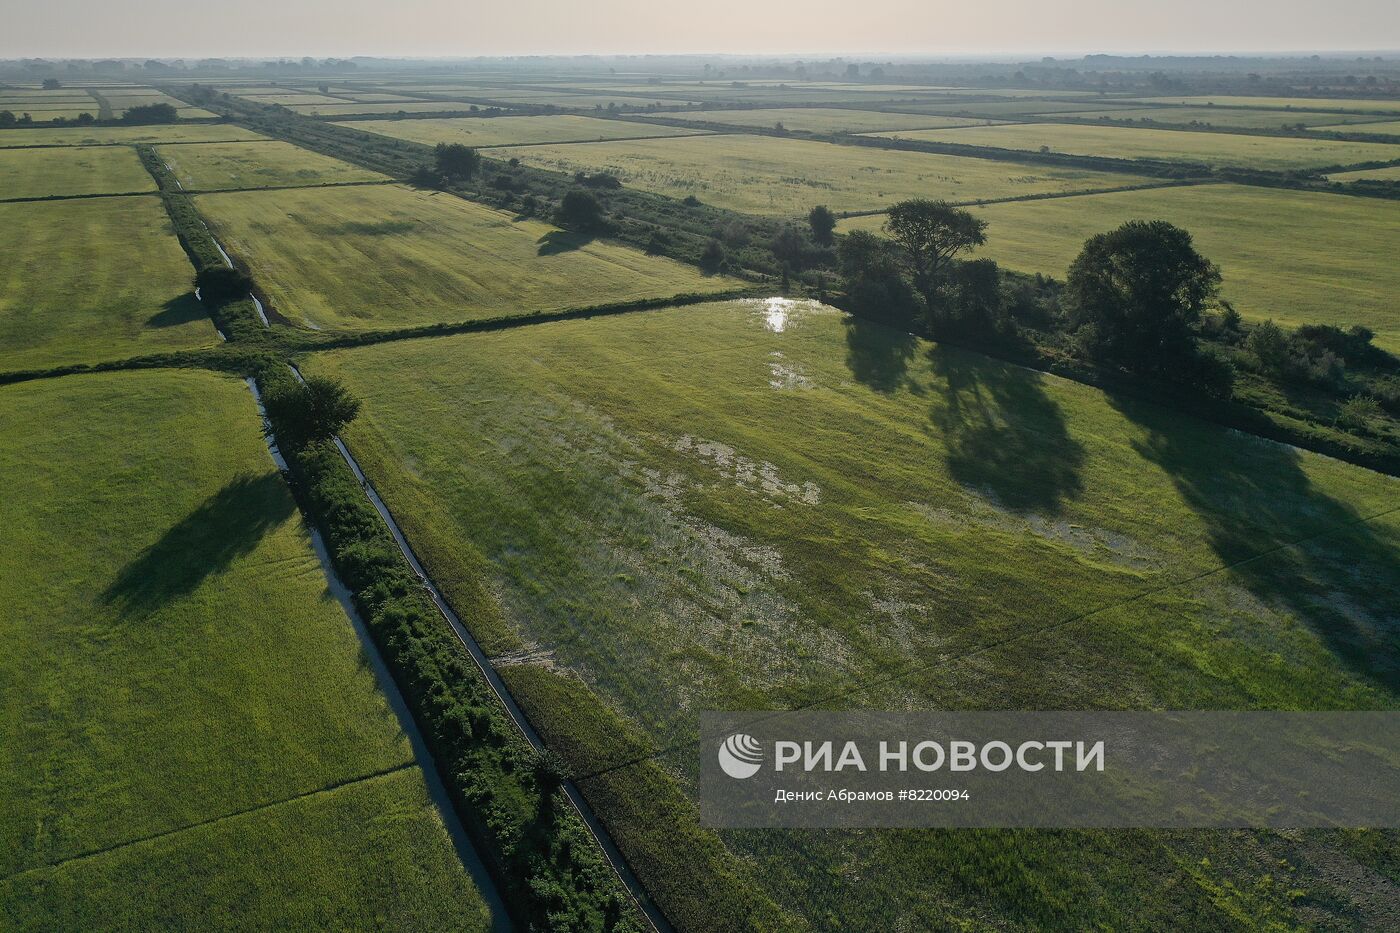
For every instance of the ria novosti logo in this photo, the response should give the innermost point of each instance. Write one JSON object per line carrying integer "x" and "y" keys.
{"x": 741, "y": 755}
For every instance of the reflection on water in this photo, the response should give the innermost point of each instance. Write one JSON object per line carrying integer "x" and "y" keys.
{"x": 775, "y": 313}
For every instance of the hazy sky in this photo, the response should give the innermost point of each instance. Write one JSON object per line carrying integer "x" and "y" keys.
{"x": 87, "y": 28}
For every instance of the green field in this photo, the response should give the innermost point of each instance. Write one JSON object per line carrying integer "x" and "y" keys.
{"x": 408, "y": 106}
{"x": 370, "y": 855}
{"x": 579, "y": 101}
{"x": 75, "y": 104}
{"x": 1008, "y": 108}
{"x": 220, "y": 166}
{"x": 94, "y": 279}
{"x": 507, "y": 131}
{"x": 1362, "y": 105}
{"x": 186, "y": 719}
{"x": 1217, "y": 149}
{"x": 820, "y": 119}
{"x": 1336, "y": 268}
{"x": 768, "y": 175}
{"x": 126, "y": 135}
{"x": 382, "y": 256}
{"x": 1387, "y": 128}
{"x": 1221, "y": 116}
{"x": 290, "y": 98}
{"x": 49, "y": 115}
{"x": 726, "y": 545}
{"x": 1374, "y": 174}
{"x": 41, "y": 173}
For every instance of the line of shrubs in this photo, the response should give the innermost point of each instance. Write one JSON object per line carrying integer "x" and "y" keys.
{"x": 548, "y": 868}
{"x": 224, "y": 291}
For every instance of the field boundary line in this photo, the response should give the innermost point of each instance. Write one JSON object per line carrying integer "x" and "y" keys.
{"x": 79, "y": 197}
{"x": 246, "y": 811}
{"x": 327, "y": 184}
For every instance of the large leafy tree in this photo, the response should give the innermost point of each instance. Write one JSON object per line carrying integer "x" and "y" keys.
{"x": 455, "y": 160}
{"x": 309, "y": 412}
{"x": 929, "y": 235}
{"x": 1136, "y": 295}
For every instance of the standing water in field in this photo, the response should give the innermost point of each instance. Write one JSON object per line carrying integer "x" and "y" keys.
{"x": 780, "y": 314}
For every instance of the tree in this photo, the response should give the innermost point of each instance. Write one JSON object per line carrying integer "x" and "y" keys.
{"x": 713, "y": 259}
{"x": 151, "y": 113}
{"x": 84, "y": 118}
{"x": 1270, "y": 346}
{"x": 455, "y": 160}
{"x": 580, "y": 210}
{"x": 1137, "y": 294}
{"x": 871, "y": 279}
{"x": 823, "y": 224}
{"x": 220, "y": 284}
{"x": 7, "y": 118}
{"x": 51, "y": 84}
{"x": 309, "y": 412}
{"x": 929, "y": 234}
{"x": 790, "y": 248}
{"x": 977, "y": 308}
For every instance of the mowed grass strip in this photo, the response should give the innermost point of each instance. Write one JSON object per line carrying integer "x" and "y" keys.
{"x": 481, "y": 132}
{"x": 1298, "y": 257}
{"x": 42, "y": 173}
{"x": 808, "y": 504}
{"x": 1120, "y": 142}
{"x": 272, "y": 164}
{"x": 819, "y": 119}
{"x": 94, "y": 279}
{"x": 383, "y": 256}
{"x": 127, "y": 135}
{"x": 768, "y": 175}
{"x": 369, "y": 855}
{"x": 172, "y": 653}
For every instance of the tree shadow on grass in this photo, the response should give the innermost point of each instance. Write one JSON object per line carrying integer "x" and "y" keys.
{"x": 562, "y": 241}
{"x": 1004, "y": 435}
{"x": 1342, "y": 578}
{"x": 227, "y": 525}
{"x": 177, "y": 311}
{"x": 878, "y": 356}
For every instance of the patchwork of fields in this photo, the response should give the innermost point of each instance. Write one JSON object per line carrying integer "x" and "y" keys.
{"x": 188, "y": 723}
{"x": 1216, "y": 149}
{"x": 382, "y": 256}
{"x": 814, "y": 510}
{"x": 730, "y": 504}
{"x": 767, "y": 175}
{"x": 94, "y": 279}
{"x": 507, "y": 131}
{"x": 1334, "y": 269}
